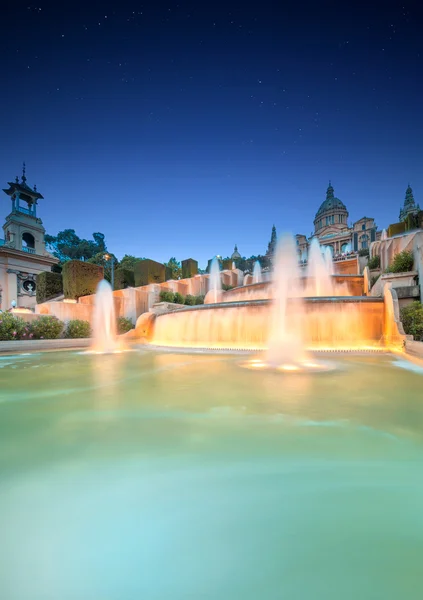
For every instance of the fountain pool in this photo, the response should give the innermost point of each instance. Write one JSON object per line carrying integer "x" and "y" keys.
{"x": 175, "y": 476}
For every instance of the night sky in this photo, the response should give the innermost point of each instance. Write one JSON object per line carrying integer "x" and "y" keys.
{"x": 182, "y": 128}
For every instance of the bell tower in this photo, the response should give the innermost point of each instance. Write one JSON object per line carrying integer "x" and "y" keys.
{"x": 23, "y": 230}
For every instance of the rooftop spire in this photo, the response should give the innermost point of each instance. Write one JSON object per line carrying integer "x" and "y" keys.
{"x": 329, "y": 191}
{"x": 23, "y": 173}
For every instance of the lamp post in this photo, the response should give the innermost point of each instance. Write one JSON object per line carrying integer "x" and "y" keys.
{"x": 112, "y": 269}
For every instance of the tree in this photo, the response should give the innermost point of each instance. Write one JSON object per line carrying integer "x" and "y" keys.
{"x": 175, "y": 268}
{"x": 129, "y": 262}
{"x": 67, "y": 245}
{"x": 101, "y": 260}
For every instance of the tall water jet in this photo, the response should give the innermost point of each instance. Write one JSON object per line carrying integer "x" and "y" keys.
{"x": 104, "y": 319}
{"x": 319, "y": 277}
{"x": 384, "y": 235}
{"x": 329, "y": 261}
{"x": 257, "y": 277}
{"x": 215, "y": 283}
{"x": 285, "y": 345}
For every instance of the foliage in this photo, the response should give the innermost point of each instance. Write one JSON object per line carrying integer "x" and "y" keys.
{"x": 175, "y": 268}
{"x": 177, "y": 298}
{"x": 167, "y": 296}
{"x": 226, "y": 287}
{"x": 129, "y": 262}
{"x": 247, "y": 264}
{"x": 46, "y": 327}
{"x": 104, "y": 260}
{"x": 364, "y": 252}
{"x": 403, "y": 262}
{"x": 78, "y": 329}
{"x": 374, "y": 262}
{"x": 189, "y": 268}
{"x": 412, "y": 320}
{"x": 12, "y": 327}
{"x": 149, "y": 271}
{"x": 49, "y": 285}
{"x": 80, "y": 278}
{"x": 124, "y": 278}
{"x": 373, "y": 280}
{"x": 396, "y": 228}
{"x": 67, "y": 245}
{"x": 124, "y": 325}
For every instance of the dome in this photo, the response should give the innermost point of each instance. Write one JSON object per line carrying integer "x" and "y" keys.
{"x": 331, "y": 203}
{"x": 236, "y": 255}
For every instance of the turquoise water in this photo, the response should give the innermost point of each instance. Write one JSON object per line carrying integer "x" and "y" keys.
{"x": 178, "y": 477}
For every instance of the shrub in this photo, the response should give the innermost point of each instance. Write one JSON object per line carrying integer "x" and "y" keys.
{"x": 124, "y": 325}
{"x": 46, "y": 327}
{"x": 124, "y": 278}
{"x": 226, "y": 287}
{"x": 403, "y": 262}
{"x": 80, "y": 278}
{"x": 148, "y": 271}
{"x": 199, "y": 300}
{"x": 12, "y": 327}
{"x": 412, "y": 320}
{"x": 189, "y": 300}
{"x": 179, "y": 299}
{"x": 373, "y": 280}
{"x": 49, "y": 285}
{"x": 78, "y": 329}
{"x": 374, "y": 263}
{"x": 167, "y": 296}
{"x": 363, "y": 252}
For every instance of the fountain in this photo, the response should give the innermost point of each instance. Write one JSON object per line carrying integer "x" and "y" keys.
{"x": 319, "y": 271}
{"x": 329, "y": 261}
{"x": 215, "y": 285}
{"x": 104, "y": 320}
{"x": 384, "y": 235}
{"x": 257, "y": 277}
{"x": 286, "y": 343}
{"x": 287, "y": 317}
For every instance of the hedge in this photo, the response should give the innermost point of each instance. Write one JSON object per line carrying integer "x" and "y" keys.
{"x": 81, "y": 278}
{"x": 124, "y": 278}
{"x": 149, "y": 271}
{"x": 49, "y": 285}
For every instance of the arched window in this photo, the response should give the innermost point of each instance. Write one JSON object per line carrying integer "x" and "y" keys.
{"x": 364, "y": 241}
{"x": 344, "y": 247}
{"x": 28, "y": 242}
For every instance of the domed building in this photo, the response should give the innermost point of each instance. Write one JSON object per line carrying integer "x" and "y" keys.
{"x": 235, "y": 255}
{"x": 332, "y": 229}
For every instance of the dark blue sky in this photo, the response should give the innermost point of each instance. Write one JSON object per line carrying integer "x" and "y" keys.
{"x": 180, "y": 128}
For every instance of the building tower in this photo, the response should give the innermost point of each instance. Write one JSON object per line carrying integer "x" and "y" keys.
{"x": 410, "y": 207}
{"x": 271, "y": 248}
{"x": 22, "y": 251}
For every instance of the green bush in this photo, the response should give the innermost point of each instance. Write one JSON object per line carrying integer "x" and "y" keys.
{"x": 189, "y": 300}
{"x": 363, "y": 252}
{"x": 403, "y": 262}
{"x": 412, "y": 320}
{"x": 46, "y": 327}
{"x": 373, "y": 280}
{"x": 78, "y": 329}
{"x": 199, "y": 300}
{"x": 167, "y": 296}
{"x": 179, "y": 299}
{"x": 49, "y": 285}
{"x": 124, "y": 278}
{"x": 12, "y": 327}
{"x": 124, "y": 325}
{"x": 80, "y": 278}
{"x": 226, "y": 287}
{"x": 374, "y": 263}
